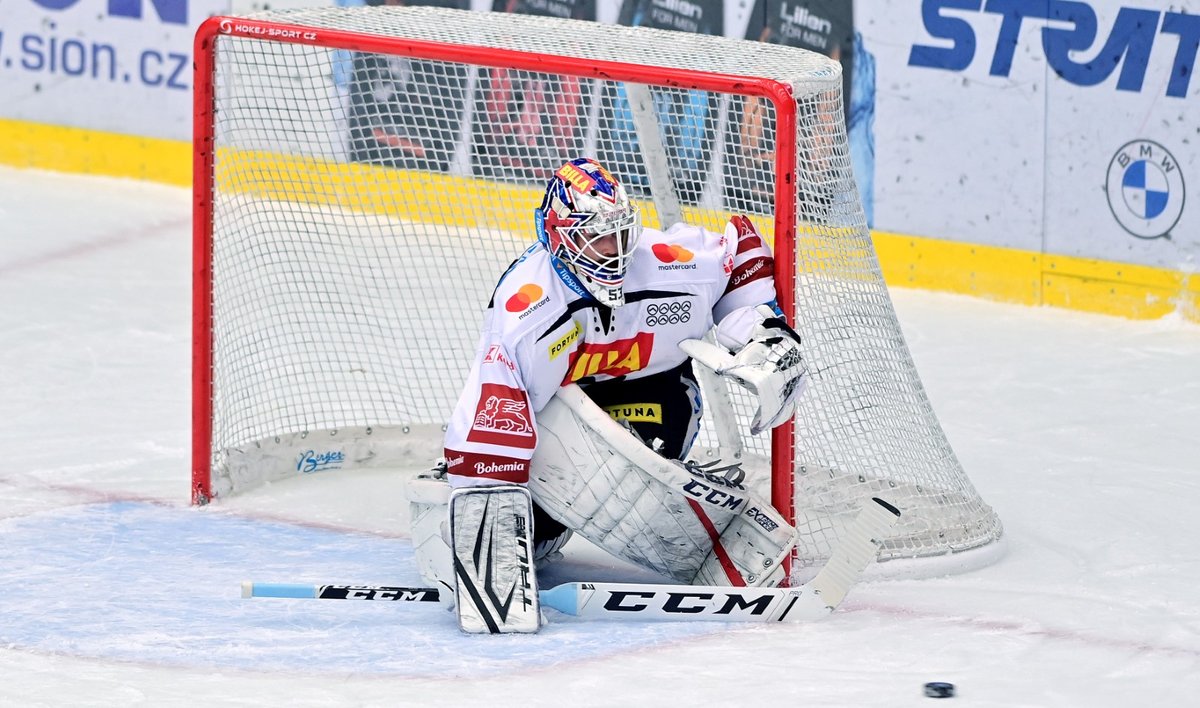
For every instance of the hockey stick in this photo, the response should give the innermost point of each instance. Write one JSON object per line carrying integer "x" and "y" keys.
{"x": 339, "y": 592}
{"x": 718, "y": 404}
{"x": 814, "y": 600}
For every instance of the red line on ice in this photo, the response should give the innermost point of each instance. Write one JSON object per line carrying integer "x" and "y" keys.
{"x": 1024, "y": 629}
{"x": 98, "y": 244}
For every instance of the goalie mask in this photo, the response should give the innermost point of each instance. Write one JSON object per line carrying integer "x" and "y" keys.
{"x": 587, "y": 222}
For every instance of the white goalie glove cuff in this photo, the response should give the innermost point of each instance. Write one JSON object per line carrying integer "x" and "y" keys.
{"x": 771, "y": 367}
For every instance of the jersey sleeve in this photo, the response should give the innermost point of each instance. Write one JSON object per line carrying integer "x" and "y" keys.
{"x": 751, "y": 283}
{"x": 492, "y": 433}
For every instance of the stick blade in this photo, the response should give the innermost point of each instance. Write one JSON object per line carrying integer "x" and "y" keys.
{"x": 857, "y": 548}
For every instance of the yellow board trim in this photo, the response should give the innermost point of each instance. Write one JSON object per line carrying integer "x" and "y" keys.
{"x": 1003, "y": 274}
{"x": 1031, "y": 278}
{"x": 1138, "y": 292}
{"x": 92, "y": 152}
{"x": 372, "y": 189}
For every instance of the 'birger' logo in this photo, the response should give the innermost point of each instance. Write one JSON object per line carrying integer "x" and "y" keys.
{"x": 618, "y": 358}
{"x": 672, "y": 253}
{"x": 313, "y": 461}
{"x": 526, "y": 296}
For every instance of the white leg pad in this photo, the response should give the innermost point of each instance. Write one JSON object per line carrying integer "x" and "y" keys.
{"x": 664, "y": 519}
{"x": 491, "y": 533}
{"x": 582, "y": 483}
{"x": 429, "y": 507}
{"x": 752, "y": 548}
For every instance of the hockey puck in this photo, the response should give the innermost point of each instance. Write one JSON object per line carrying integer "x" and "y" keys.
{"x": 939, "y": 689}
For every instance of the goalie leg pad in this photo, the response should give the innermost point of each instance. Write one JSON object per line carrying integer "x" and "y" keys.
{"x": 491, "y": 533}
{"x": 429, "y": 522}
{"x": 598, "y": 479}
{"x": 580, "y": 481}
{"x": 549, "y": 537}
{"x": 751, "y": 549}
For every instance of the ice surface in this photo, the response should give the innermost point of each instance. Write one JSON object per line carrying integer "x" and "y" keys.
{"x": 1082, "y": 431}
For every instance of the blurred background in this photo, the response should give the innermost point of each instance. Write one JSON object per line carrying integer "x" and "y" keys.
{"x": 1038, "y": 152}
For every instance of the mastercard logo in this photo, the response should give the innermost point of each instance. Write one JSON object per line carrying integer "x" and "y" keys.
{"x": 671, "y": 253}
{"x": 526, "y": 296}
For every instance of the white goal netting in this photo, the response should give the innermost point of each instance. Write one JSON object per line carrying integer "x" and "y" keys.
{"x": 368, "y": 173}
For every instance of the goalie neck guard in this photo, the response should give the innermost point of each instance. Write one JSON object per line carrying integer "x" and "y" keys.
{"x": 587, "y": 222}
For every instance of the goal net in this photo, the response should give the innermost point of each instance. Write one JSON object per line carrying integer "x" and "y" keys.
{"x": 364, "y": 176}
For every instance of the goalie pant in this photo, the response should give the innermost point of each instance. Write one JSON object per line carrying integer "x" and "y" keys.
{"x": 542, "y": 331}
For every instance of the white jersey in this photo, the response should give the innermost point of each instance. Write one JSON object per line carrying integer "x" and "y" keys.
{"x": 543, "y": 330}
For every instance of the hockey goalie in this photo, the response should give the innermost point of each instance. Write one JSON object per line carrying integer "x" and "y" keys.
{"x": 581, "y": 406}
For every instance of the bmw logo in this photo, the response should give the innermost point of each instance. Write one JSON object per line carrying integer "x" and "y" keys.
{"x": 1145, "y": 189}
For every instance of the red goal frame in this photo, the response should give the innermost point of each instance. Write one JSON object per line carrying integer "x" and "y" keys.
{"x": 778, "y": 93}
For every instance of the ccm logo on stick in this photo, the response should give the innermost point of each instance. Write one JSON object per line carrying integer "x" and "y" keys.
{"x": 351, "y": 592}
{"x": 683, "y": 603}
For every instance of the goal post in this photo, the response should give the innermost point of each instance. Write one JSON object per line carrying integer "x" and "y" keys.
{"x": 364, "y": 175}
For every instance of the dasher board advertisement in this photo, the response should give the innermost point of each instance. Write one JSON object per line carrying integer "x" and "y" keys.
{"x": 122, "y": 66}
{"x": 1057, "y": 127}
